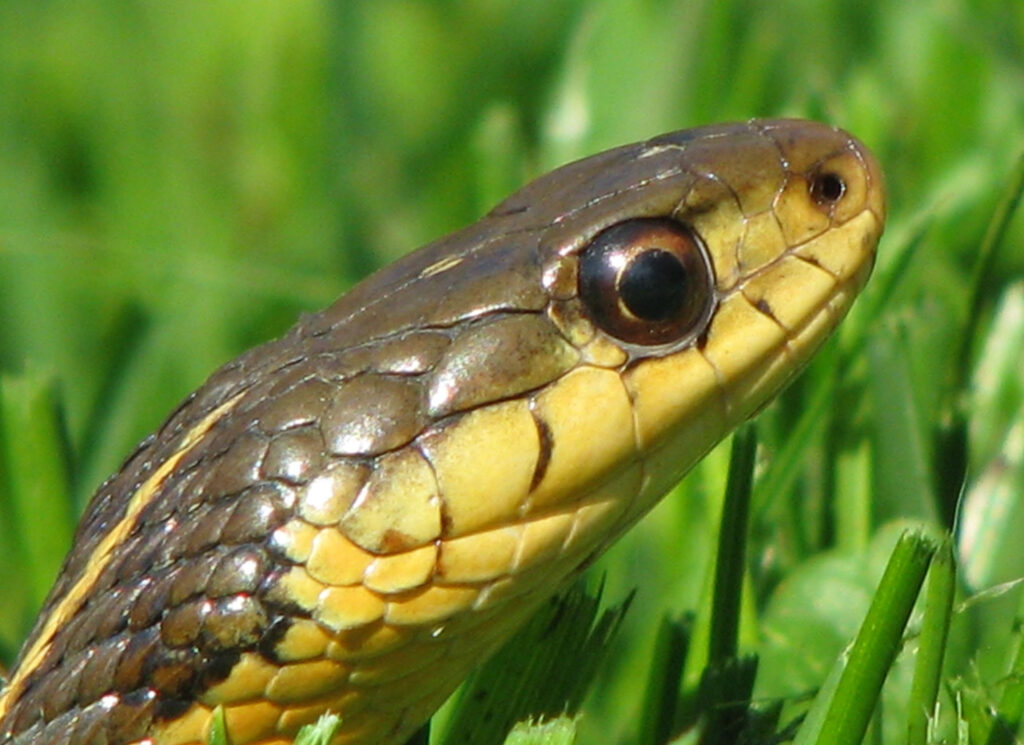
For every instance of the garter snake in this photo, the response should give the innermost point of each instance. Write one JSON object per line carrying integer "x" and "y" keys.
{"x": 350, "y": 517}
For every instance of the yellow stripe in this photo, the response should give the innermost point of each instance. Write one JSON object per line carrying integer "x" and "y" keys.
{"x": 72, "y": 600}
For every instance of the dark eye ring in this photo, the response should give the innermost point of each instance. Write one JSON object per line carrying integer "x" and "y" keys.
{"x": 827, "y": 188}
{"x": 648, "y": 282}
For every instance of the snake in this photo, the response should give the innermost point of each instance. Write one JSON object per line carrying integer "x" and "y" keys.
{"x": 350, "y": 518}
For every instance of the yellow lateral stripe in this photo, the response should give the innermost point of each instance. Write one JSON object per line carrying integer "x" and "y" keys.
{"x": 72, "y": 600}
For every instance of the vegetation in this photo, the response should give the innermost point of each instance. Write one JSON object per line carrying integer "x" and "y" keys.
{"x": 179, "y": 180}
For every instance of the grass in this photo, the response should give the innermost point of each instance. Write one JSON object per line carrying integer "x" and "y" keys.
{"x": 179, "y": 181}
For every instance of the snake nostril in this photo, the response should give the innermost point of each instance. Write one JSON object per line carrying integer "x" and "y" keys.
{"x": 827, "y": 188}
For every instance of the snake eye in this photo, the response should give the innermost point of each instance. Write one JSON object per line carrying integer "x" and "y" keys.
{"x": 647, "y": 282}
{"x": 827, "y": 188}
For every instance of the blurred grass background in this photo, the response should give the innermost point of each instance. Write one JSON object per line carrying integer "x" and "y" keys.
{"x": 178, "y": 181}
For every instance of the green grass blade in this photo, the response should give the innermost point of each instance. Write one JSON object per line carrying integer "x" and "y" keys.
{"x": 1006, "y": 719}
{"x": 558, "y": 731}
{"x": 931, "y": 646}
{"x": 218, "y": 728}
{"x": 813, "y": 722}
{"x": 877, "y": 642}
{"x": 728, "y": 680}
{"x": 903, "y": 468}
{"x": 666, "y": 668}
{"x": 36, "y": 468}
{"x": 320, "y": 732}
{"x": 544, "y": 670}
{"x": 730, "y": 566}
{"x": 951, "y": 447}
{"x": 995, "y": 234}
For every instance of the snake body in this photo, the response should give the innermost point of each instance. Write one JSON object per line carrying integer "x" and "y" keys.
{"x": 351, "y": 517}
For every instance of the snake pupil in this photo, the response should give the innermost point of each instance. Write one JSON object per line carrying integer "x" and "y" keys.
{"x": 827, "y": 188}
{"x": 648, "y": 282}
{"x": 654, "y": 286}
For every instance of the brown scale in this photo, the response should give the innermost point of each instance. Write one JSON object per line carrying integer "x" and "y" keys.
{"x": 353, "y": 516}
